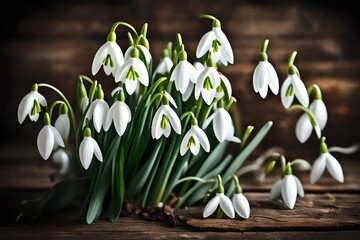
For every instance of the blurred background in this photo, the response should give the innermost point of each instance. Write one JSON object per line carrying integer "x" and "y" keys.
{"x": 55, "y": 41}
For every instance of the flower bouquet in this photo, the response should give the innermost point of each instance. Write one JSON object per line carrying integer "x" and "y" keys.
{"x": 162, "y": 135}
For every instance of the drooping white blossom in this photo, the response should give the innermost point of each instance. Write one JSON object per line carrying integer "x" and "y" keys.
{"x": 29, "y": 105}
{"x": 193, "y": 139}
{"x": 97, "y": 112}
{"x": 142, "y": 49}
{"x": 88, "y": 148}
{"x": 219, "y": 200}
{"x": 120, "y": 115}
{"x": 241, "y": 205}
{"x": 288, "y": 188}
{"x": 265, "y": 77}
{"x": 294, "y": 87}
{"x": 206, "y": 84}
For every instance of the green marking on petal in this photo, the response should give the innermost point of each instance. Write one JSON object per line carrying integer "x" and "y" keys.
{"x": 191, "y": 142}
{"x": 215, "y": 45}
{"x": 37, "y": 106}
{"x": 219, "y": 89}
{"x": 132, "y": 74}
{"x": 290, "y": 91}
{"x": 164, "y": 121}
{"x": 208, "y": 84}
{"x": 108, "y": 61}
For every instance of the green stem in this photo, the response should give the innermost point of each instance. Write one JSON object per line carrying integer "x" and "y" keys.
{"x": 264, "y": 46}
{"x": 115, "y": 25}
{"x": 316, "y": 88}
{"x": 208, "y": 17}
{"x": 307, "y": 111}
{"x": 193, "y": 178}
{"x": 83, "y": 77}
{"x": 53, "y": 106}
{"x": 292, "y": 58}
{"x": 246, "y": 136}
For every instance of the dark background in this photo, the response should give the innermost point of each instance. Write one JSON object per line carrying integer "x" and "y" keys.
{"x": 55, "y": 41}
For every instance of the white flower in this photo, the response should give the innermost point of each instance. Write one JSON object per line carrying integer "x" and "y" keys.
{"x": 61, "y": 161}
{"x": 88, "y": 148}
{"x": 46, "y": 140}
{"x": 241, "y": 205}
{"x": 206, "y": 84}
{"x": 183, "y": 73}
{"x": 97, "y": 112}
{"x": 120, "y": 115}
{"x": 265, "y": 76}
{"x": 318, "y": 108}
{"x": 296, "y": 87}
{"x": 193, "y": 139}
{"x": 164, "y": 66}
{"x": 186, "y": 95}
{"x": 288, "y": 187}
{"x": 84, "y": 102}
{"x": 220, "y": 91}
{"x": 216, "y": 42}
{"x": 222, "y": 124}
{"x": 143, "y": 49}
{"x": 62, "y": 124}
{"x": 110, "y": 56}
{"x": 165, "y": 118}
{"x": 332, "y": 165}
{"x": 131, "y": 72}
{"x": 225, "y": 205}
{"x": 28, "y": 104}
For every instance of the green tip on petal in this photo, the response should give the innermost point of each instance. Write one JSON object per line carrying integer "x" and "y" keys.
{"x": 111, "y": 37}
{"x": 323, "y": 146}
{"x": 87, "y": 132}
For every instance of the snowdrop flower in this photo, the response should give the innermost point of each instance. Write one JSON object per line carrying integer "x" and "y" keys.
{"x": 219, "y": 200}
{"x": 30, "y": 105}
{"x": 240, "y": 202}
{"x": 62, "y": 123}
{"x": 131, "y": 72}
{"x": 84, "y": 100}
{"x": 293, "y": 86}
{"x": 109, "y": 56}
{"x": 222, "y": 124}
{"x": 165, "y": 64}
{"x": 265, "y": 75}
{"x": 326, "y": 160}
{"x": 165, "y": 118}
{"x": 183, "y": 73}
{"x": 289, "y": 187}
{"x": 47, "y": 138}
{"x": 144, "y": 50}
{"x": 88, "y": 148}
{"x": 193, "y": 139}
{"x": 119, "y": 114}
{"x": 207, "y": 82}
{"x": 61, "y": 161}
{"x": 215, "y": 42}
{"x": 220, "y": 93}
{"x": 305, "y": 125}
{"x": 97, "y": 110}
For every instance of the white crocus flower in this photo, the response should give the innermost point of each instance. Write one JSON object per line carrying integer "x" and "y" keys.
{"x": 109, "y": 56}
{"x": 97, "y": 111}
{"x": 30, "y": 105}
{"x": 222, "y": 124}
{"x": 193, "y": 139}
{"x": 47, "y": 138}
{"x": 216, "y": 42}
{"x": 88, "y": 148}
{"x": 165, "y": 118}
{"x": 120, "y": 115}
{"x": 143, "y": 49}
{"x": 206, "y": 84}
{"x": 61, "y": 161}
{"x": 326, "y": 160}
{"x": 131, "y": 72}
{"x": 288, "y": 187}
{"x": 183, "y": 73}
{"x": 221, "y": 200}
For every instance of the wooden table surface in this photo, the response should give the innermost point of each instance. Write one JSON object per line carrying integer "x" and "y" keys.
{"x": 56, "y": 42}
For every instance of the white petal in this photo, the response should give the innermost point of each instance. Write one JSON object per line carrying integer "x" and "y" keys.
{"x": 195, "y": 149}
{"x": 182, "y": 82}
{"x": 299, "y": 187}
{"x": 108, "y": 69}
{"x": 184, "y": 142}
{"x": 166, "y": 131}
{"x": 84, "y": 103}
{"x": 96, "y": 148}
{"x": 173, "y": 118}
{"x": 334, "y": 167}
{"x": 227, "y": 84}
{"x": 286, "y": 100}
{"x": 199, "y": 67}
{"x": 275, "y": 190}
{"x": 109, "y": 117}
{"x": 317, "y": 131}
{"x": 205, "y": 44}
{"x": 99, "y": 57}
{"x": 41, "y": 99}
{"x": 222, "y": 123}
{"x": 170, "y": 98}
{"x": 146, "y": 53}
{"x": 25, "y": 106}
{"x": 141, "y": 69}
{"x": 318, "y": 108}
{"x": 86, "y": 152}
{"x": 273, "y": 78}
{"x": 226, "y": 206}
{"x": 116, "y": 55}
{"x": 225, "y": 48}
{"x": 303, "y": 128}
{"x": 100, "y": 111}
{"x": 208, "y": 120}
{"x": 34, "y": 117}
{"x": 122, "y": 71}
{"x": 211, "y": 206}
{"x": 130, "y": 86}
{"x": 231, "y": 137}
{"x": 203, "y": 139}
{"x": 188, "y": 92}
{"x": 156, "y": 123}
{"x": 241, "y": 205}
{"x": 264, "y": 90}
{"x": 289, "y": 191}
{"x": 57, "y": 137}
{"x": 259, "y": 76}
{"x": 208, "y": 95}
{"x": 317, "y": 168}
{"x": 45, "y": 142}
{"x": 62, "y": 124}
{"x": 300, "y": 91}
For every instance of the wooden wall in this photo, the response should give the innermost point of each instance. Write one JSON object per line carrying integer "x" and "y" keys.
{"x": 56, "y": 42}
